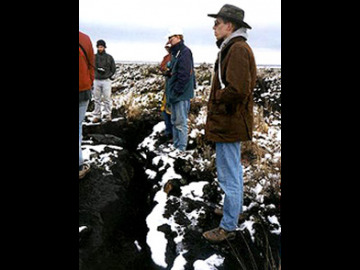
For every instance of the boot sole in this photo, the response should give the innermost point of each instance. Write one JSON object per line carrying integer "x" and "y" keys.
{"x": 230, "y": 238}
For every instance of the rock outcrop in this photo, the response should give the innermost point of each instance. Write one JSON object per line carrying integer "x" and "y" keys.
{"x": 144, "y": 206}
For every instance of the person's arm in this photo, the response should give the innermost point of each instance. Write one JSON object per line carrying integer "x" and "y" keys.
{"x": 113, "y": 66}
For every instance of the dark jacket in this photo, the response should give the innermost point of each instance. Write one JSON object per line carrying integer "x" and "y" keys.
{"x": 86, "y": 68}
{"x": 180, "y": 85}
{"x": 230, "y": 110}
{"x": 104, "y": 66}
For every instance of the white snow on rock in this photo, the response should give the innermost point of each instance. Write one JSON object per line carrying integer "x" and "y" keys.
{"x": 248, "y": 224}
{"x": 149, "y": 142}
{"x": 274, "y": 220}
{"x": 210, "y": 263}
{"x": 267, "y": 142}
{"x": 151, "y": 174}
{"x": 170, "y": 174}
{"x": 194, "y": 190}
{"x": 179, "y": 262}
{"x": 156, "y": 239}
{"x": 137, "y": 245}
{"x": 96, "y": 154}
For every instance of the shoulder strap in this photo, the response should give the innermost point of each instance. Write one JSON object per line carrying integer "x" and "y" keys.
{"x": 83, "y": 50}
{"x": 86, "y": 56}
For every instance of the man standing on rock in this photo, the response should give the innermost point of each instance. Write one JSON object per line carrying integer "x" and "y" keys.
{"x": 180, "y": 86}
{"x": 86, "y": 78}
{"x": 165, "y": 110}
{"x": 230, "y": 112}
{"x": 104, "y": 69}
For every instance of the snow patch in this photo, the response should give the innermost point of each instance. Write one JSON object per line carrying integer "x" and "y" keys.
{"x": 210, "y": 263}
{"x": 194, "y": 190}
{"x": 151, "y": 174}
{"x": 156, "y": 239}
{"x": 137, "y": 245}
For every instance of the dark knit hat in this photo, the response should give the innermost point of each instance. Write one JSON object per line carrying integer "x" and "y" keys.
{"x": 101, "y": 43}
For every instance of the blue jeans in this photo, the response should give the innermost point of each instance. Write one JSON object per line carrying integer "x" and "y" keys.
{"x": 82, "y": 110}
{"x": 168, "y": 125}
{"x": 230, "y": 177}
{"x": 179, "y": 115}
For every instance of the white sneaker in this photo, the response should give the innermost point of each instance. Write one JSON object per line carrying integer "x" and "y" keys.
{"x": 170, "y": 148}
{"x": 177, "y": 153}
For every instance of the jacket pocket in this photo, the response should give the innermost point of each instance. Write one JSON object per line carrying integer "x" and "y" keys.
{"x": 217, "y": 108}
{"x": 221, "y": 108}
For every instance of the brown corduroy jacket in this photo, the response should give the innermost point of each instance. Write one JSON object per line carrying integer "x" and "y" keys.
{"x": 230, "y": 110}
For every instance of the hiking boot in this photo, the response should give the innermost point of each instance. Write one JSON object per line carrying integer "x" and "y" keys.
{"x": 85, "y": 170}
{"x": 164, "y": 138}
{"x": 170, "y": 138}
{"x": 220, "y": 212}
{"x": 218, "y": 235}
{"x": 96, "y": 120}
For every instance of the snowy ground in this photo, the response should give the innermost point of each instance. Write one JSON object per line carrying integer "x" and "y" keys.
{"x": 194, "y": 191}
{"x": 138, "y": 89}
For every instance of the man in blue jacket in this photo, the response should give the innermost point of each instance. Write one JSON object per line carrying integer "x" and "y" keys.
{"x": 180, "y": 87}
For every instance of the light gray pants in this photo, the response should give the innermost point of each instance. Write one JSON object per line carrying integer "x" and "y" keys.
{"x": 102, "y": 89}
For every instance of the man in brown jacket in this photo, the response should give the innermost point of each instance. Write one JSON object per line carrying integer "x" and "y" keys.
{"x": 86, "y": 78}
{"x": 230, "y": 113}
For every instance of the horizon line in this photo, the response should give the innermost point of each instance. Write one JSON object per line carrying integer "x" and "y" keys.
{"x": 196, "y": 63}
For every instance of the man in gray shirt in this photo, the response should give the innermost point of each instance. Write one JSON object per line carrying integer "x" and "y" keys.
{"x": 104, "y": 69}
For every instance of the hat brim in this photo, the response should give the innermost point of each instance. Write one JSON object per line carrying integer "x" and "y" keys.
{"x": 231, "y": 19}
{"x": 212, "y": 15}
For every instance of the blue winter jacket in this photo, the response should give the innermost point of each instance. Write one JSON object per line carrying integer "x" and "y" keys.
{"x": 181, "y": 84}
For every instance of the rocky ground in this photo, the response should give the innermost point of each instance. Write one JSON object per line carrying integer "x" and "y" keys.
{"x": 143, "y": 206}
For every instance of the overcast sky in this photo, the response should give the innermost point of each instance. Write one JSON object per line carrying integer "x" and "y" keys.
{"x": 135, "y": 30}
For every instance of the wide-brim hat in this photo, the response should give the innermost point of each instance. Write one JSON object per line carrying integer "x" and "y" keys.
{"x": 233, "y": 14}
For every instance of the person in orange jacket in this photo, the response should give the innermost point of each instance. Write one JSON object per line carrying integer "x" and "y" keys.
{"x": 86, "y": 79}
{"x": 165, "y": 110}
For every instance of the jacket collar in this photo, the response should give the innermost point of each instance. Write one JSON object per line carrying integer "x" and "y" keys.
{"x": 241, "y": 32}
{"x": 174, "y": 50}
